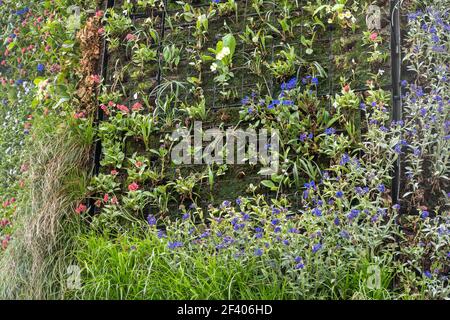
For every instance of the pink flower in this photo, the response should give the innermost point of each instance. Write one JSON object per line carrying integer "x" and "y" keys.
{"x": 105, "y": 198}
{"x": 346, "y": 88}
{"x": 101, "y": 30}
{"x": 139, "y": 164}
{"x": 4, "y": 222}
{"x": 81, "y": 208}
{"x": 130, "y": 37}
{"x": 114, "y": 200}
{"x": 136, "y": 107}
{"x": 79, "y": 115}
{"x": 98, "y": 203}
{"x": 133, "y": 187}
{"x": 5, "y": 242}
{"x": 95, "y": 78}
{"x": 123, "y": 108}
{"x": 114, "y": 172}
{"x": 99, "y": 13}
{"x": 373, "y": 36}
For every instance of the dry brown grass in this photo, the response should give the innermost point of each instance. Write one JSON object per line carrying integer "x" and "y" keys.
{"x": 34, "y": 265}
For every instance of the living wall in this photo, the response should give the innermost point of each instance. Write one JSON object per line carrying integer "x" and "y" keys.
{"x": 141, "y": 226}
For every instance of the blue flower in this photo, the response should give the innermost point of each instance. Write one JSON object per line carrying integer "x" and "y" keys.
{"x": 345, "y": 159}
{"x": 317, "y": 212}
{"x": 303, "y": 137}
{"x": 427, "y": 274}
{"x": 174, "y": 245}
{"x": 339, "y": 194}
{"x": 161, "y": 234}
{"x": 337, "y": 221}
{"x": 381, "y": 188}
{"x": 299, "y": 266}
{"x": 151, "y": 220}
{"x": 185, "y": 216}
{"x": 288, "y": 102}
{"x": 353, "y": 214}
{"x": 22, "y": 11}
{"x": 291, "y": 84}
{"x": 215, "y": 1}
{"x": 258, "y": 252}
{"x": 425, "y": 214}
{"x": 344, "y": 234}
{"x": 315, "y": 81}
{"x": 316, "y": 247}
{"x": 275, "y": 222}
{"x": 330, "y": 131}
{"x": 40, "y": 67}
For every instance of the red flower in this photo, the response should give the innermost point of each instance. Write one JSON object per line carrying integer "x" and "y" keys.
{"x": 133, "y": 187}
{"x": 81, "y": 208}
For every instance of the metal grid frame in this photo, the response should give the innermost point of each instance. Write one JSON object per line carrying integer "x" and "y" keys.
{"x": 394, "y": 86}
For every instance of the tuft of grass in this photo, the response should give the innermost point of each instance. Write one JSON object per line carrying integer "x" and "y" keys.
{"x": 35, "y": 264}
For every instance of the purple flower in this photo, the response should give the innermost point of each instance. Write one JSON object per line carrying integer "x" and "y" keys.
{"x": 427, "y": 274}
{"x": 258, "y": 252}
{"x": 185, "y": 216}
{"x": 381, "y": 188}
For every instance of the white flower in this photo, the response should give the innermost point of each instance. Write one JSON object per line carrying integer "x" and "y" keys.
{"x": 214, "y": 67}
{"x": 223, "y": 53}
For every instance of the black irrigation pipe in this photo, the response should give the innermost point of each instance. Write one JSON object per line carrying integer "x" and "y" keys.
{"x": 100, "y": 114}
{"x": 396, "y": 65}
